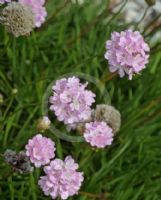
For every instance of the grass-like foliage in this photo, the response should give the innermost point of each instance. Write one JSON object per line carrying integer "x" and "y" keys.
{"x": 72, "y": 41}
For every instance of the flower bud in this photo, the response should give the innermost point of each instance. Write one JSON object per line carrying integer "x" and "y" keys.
{"x": 43, "y": 124}
{"x": 14, "y": 91}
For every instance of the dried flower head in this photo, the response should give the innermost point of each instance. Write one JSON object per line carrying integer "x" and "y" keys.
{"x": 24, "y": 164}
{"x": 40, "y": 150}
{"x": 18, "y": 19}
{"x": 62, "y": 179}
{"x": 19, "y": 161}
{"x": 43, "y": 124}
{"x": 11, "y": 157}
{"x": 109, "y": 115}
{"x": 127, "y": 53}
{"x": 98, "y": 134}
{"x": 71, "y": 101}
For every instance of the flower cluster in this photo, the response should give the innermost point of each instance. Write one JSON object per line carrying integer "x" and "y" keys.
{"x": 98, "y": 134}
{"x": 104, "y": 123}
{"x": 71, "y": 101}
{"x": 127, "y": 53}
{"x": 38, "y": 10}
{"x": 62, "y": 179}
{"x": 40, "y": 150}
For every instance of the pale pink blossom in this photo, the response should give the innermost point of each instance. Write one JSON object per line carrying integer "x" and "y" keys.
{"x": 71, "y": 101}
{"x": 127, "y": 53}
{"x": 62, "y": 178}
{"x": 40, "y": 150}
{"x": 98, "y": 134}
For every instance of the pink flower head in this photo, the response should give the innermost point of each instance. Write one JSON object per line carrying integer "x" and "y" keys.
{"x": 98, "y": 134}
{"x": 127, "y": 53}
{"x": 40, "y": 150}
{"x": 71, "y": 101}
{"x": 62, "y": 179}
{"x": 4, "y": 1}
{"x": 38, "y": 10}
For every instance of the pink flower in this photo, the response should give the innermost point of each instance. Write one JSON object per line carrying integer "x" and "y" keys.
{"x": 127, "y": 53}
{"x": 71, "y": 102}
{"x": 38, "y": 10}
{"x": 4, "y": 1}
{"x": 62, "y": 179}
{"x": 98, "y": 134}
{"x": 40, "y": 150}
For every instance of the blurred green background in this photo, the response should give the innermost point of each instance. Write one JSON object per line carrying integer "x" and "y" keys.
{"x": 72, "y": 40}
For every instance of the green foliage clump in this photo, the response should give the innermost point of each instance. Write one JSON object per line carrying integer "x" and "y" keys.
{"x": 72, "y": 40}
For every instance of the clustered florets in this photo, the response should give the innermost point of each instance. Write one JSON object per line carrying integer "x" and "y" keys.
{"x": 98, "y": 134}
{"x": 105, "y": 122}
{"x": 40, "y": 150}
{"x": 62, "y": 179}
{"x": 71, "y": 101}
{"x": 127, "y": 53}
